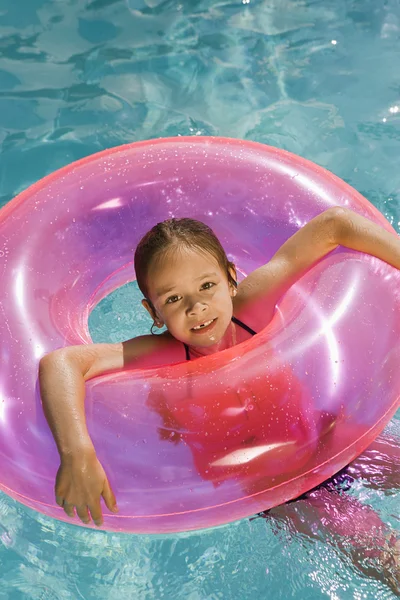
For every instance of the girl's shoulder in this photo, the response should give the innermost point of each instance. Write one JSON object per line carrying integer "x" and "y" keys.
{"x": 255, "y": 312}
{"x": 260, "y": 291}
{"x": 98, "y": 359}
{"x": 153, "y": 351}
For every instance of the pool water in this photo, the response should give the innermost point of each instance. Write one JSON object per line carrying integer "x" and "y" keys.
{"x": 316, "y": 77}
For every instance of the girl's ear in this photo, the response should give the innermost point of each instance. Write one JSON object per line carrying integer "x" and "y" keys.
{"x": 233, "y": 281}
{"x": 150, "y": 309}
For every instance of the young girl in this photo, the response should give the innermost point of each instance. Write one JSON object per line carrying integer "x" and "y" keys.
{"x": 190, "y": 287}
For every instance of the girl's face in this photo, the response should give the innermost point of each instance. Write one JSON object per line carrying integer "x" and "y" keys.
{"x": 192, "y": 297}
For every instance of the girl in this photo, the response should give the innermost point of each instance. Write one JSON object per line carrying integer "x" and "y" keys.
{"x": 190, "y": 287}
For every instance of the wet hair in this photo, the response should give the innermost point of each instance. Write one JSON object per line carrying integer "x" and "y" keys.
{"x": 175, "y": 234}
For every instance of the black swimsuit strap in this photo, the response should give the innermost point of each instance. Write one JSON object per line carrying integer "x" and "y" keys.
{"x": 234, "y": 320}
{"x": 187, "y": 351}
{"x": 243, "y": 326}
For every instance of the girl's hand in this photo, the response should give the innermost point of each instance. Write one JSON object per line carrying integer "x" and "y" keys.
{"x": 80, "y": 483}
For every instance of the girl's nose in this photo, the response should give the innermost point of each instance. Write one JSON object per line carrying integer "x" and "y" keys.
{"x": 196, "y": 308}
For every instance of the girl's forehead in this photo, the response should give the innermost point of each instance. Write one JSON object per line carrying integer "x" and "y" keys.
{"x": 183, "y": 258}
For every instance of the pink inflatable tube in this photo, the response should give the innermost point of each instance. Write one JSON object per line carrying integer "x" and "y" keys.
{"x": 202, "y": 443}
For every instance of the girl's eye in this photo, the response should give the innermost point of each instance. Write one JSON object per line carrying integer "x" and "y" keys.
{"x": 172, "y": 299}
{"x": 207, "y": 285}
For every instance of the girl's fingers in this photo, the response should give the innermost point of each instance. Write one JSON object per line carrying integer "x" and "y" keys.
{"x": 95, "y": 511}
{"x": 69, "y": 509}
{"x": 109, "y": 497}
{"x": 83, "y": 514}
{"x": 59, "y": 500}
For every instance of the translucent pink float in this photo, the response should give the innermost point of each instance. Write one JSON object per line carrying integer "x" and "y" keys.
{"x": 203, "y": 443}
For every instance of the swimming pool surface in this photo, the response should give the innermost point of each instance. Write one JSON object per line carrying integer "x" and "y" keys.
{"x": 320, "y": 78}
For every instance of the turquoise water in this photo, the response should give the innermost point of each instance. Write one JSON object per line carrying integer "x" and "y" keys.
{"x": 317, "y": 77}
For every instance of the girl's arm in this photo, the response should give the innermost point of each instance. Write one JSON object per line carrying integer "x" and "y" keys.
{"x": 81, "y": 480}
{"x": 334, "y": 227}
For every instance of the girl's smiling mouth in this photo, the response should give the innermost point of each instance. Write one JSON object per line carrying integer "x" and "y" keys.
{"x": 203, "y": 327}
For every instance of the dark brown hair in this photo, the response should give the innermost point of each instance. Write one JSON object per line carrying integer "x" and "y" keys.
{"x": 175, "y": 233}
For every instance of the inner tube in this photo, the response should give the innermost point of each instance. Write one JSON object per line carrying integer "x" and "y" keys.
{"x": 200, "y": 443}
